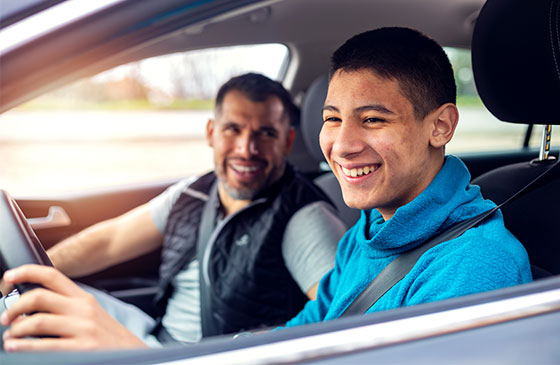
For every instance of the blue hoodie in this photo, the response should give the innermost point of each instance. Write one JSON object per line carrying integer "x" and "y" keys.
{"x": 485, "y": 257}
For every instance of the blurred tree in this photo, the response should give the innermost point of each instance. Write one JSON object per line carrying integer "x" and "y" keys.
{"x": 462, "y": 68}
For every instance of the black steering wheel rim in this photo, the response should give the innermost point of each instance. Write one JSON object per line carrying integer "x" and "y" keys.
{"x": 19, "y": 244}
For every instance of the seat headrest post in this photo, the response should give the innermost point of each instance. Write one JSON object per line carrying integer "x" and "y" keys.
{"x": 545, "y": 143}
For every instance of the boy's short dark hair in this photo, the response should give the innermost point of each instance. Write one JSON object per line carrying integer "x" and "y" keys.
{"x": 418, "y": 63}
{"x": 258, "y": 88}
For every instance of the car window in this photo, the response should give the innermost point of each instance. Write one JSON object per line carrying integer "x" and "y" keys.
{"x": 478, "y": 130}
{"x": 140, "y": 122}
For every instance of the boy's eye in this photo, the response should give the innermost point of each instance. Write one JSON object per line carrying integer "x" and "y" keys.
{"x": 374, "y": 120}
{"x": 331, "y": 119}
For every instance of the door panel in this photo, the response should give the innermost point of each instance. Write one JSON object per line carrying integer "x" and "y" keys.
{"x": 88, "y": 208}
{"x": 133, "y": 281}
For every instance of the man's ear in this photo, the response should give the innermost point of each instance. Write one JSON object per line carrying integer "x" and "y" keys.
{"x": 210, "y": 132}
{"x": 290, "y": 138}
{"x": 444, "y": 122}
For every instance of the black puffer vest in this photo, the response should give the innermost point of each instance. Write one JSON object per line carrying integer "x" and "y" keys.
{"x": 250, "y": 286}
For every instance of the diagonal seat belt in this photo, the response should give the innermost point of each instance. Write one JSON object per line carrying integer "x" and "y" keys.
{"x": 401, "y": 266}
{"x": 207, "y": 225}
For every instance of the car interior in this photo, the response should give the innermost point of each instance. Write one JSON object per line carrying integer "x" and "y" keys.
{"x": 306, "y": 78}
{"x": 515, "y": 56}
{"x": 495, "y": 53}
{"x": 495, "y": 50}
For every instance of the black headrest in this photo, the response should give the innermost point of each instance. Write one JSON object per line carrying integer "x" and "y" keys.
{"x": 516, "y": 60}
{"x": 312, "y": 115}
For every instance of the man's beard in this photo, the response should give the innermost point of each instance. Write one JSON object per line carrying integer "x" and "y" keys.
{"x": 245, "y": 192}
{"x": 242, "y": 193}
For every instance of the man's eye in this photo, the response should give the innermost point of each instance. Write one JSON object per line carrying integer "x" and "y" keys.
{"x": 269, "y": 133}
{"x": 231, "y": 128}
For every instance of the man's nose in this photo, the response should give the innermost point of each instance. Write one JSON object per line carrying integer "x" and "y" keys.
{"x": 348, "y": 140}
{"x": 247, "y": 145}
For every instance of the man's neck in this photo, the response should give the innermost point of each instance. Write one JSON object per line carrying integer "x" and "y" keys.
{"x": 229, "y": 204}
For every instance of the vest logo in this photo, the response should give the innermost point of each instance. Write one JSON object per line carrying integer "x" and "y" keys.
{"x": 243, "y": 240}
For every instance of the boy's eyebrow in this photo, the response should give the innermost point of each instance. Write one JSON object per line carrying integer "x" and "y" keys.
{"x": 375, "y": 107}
{"x": 330, "y": 108}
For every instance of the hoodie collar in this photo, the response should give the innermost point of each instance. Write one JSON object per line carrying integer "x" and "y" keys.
{"x": 444, "y": 202}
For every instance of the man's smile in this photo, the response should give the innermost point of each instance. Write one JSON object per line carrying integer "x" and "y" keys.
{"x": 246, "y": 169}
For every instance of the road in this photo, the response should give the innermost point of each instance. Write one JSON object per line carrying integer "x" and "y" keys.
{"x": 54, "y": 152}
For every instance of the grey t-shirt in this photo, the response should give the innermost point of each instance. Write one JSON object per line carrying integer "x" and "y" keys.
{"x": 308, "y": 247}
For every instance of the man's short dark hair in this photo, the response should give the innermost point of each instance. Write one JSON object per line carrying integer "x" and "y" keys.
{"x": 418, "y": 63}
{"x": 258, "y": 88}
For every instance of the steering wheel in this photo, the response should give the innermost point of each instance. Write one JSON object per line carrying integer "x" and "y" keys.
{"x": 19, "y": 244}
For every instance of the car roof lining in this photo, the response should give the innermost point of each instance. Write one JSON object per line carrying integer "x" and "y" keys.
{"x": 311, "y": 34}
{"x": 314, "y": 30}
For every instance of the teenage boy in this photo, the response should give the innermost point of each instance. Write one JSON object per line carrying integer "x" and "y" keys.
{"x": 389, "y": 112}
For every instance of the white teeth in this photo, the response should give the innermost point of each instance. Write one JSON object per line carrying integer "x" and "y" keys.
{"x": 244, "y": 168}
{"x": 359, "y": 171}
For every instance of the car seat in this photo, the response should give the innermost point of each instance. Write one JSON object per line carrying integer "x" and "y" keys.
{"x": 516, "y": 66}
{"x": 311, "y": 124}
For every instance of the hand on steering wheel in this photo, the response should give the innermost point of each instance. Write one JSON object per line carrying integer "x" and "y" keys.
{"x": 19, "y": 245}
{"x": 69, "y": 317}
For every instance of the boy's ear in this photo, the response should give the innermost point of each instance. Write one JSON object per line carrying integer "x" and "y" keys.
{"x": 444, "y": 121}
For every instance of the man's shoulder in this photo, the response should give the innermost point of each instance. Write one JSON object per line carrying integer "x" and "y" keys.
{"x": 302, "y": 178}
{"x": 202, "y": 183}
{"x": 301, "y": 187}
{"x": 197, "y": 187}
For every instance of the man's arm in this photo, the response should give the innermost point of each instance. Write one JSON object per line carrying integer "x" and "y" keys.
{"x": 309, "y": 244}
{"x": 107, "y": 243}
{"x": 71, "y": 317}
{"x": 312, "y": 292}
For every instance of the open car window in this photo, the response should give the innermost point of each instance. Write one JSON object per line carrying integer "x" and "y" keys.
{"x": 140, "y": 122}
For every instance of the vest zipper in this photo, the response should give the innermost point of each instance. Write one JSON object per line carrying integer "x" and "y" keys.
{"x": 208, "y": 248}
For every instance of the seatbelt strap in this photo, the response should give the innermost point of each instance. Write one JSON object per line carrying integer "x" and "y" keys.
{"x": 207, "y": 224}
{"x": 205, "y": 229}
{"x": 401, "y": 266}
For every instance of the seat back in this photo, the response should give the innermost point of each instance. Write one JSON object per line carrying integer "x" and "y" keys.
{"x": 532, "y": 218}
{"x": 311, "y": 124}
{"x": 516, "y": 66}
